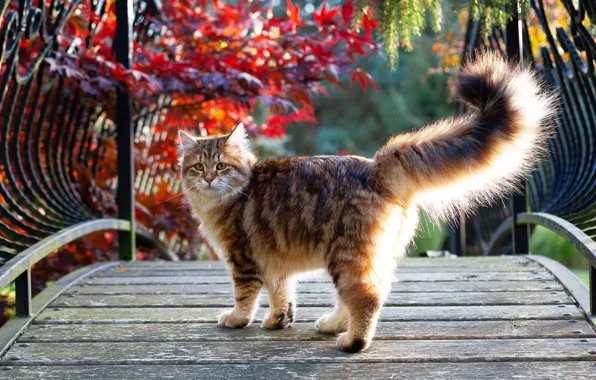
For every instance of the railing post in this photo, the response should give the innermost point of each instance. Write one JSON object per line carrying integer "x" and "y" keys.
{"x": 519, "y": 233}
{"x": 592, "y": 291}
{"x": 458, "y": 237}
{"x": 125, "y": 133}
{"x": 519, "y": 203}
{"x": 23, "y": 294}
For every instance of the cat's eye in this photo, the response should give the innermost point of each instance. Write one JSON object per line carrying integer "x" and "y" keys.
{"x": 221, "y": 166}
{"x": 200, "y": 167}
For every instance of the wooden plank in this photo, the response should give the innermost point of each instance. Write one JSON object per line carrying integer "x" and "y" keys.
{"x": 407, "y": 313}
{"x": 421, "y": 371}
{"x": 325, "y": 299}
{"x": 10, "y": 331}
{"x": 412, "y": 261}
{"x": 405, "y": 287}
{"x": 201, "y": 332}
{"x": 404, "y": 351}
{"x": 402, "y": 277}
{"x": 145, "y": 271}
{"x": 125, "y": 272}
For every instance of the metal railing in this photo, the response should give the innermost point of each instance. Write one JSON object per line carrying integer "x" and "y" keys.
{"x": 561, "y": 193}
{"x": 50, "y": 128}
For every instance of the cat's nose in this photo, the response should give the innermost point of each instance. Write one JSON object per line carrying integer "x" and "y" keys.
{"x": 208, "y": 180}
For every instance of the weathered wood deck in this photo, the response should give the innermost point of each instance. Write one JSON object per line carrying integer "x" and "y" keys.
{"x": 446, "y": 318}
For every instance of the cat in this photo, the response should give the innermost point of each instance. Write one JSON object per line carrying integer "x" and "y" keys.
{"x": 355, "y": 216}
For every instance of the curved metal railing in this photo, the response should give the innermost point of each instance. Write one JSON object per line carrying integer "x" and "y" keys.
{"x": 53, "y": 136}
{"x": 561, "y": 192}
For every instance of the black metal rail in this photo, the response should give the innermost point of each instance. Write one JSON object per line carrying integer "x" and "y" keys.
{"x": 561, "y": 193}
{"x": 48, "y": 129}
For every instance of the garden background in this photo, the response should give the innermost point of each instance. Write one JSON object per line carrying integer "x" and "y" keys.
{"x": 344, "y": 100}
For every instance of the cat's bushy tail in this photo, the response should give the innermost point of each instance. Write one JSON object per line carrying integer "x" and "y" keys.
{"x": 462, "y": 162}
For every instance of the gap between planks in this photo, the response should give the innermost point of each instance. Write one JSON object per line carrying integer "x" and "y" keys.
{"x": 200, "y": 332}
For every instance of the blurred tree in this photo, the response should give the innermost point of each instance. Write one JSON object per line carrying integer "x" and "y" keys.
{"x": 412, "y": 95}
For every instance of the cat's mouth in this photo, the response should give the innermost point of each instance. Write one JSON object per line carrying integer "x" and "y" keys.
{"x": 211, "y": 189}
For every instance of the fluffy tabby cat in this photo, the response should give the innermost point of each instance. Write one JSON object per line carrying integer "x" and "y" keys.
{"x": 354, "y": 216}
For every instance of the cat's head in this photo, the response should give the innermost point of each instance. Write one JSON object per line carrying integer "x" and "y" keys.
{"x": 217, "y": 165}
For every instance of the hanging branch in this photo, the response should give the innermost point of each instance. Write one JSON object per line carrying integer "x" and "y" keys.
{"x": 400, "y": 20}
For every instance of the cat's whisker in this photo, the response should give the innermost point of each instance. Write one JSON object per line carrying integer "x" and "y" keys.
{"x": 192, "y": 188}
{"x": 241, "y": 192}
{"x": 225, "y": 196}
{"x": 175, "y": 196}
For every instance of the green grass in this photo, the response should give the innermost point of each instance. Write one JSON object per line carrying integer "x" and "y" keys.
{"x": 583, "y": 274}
{"x": 547, "y": 243}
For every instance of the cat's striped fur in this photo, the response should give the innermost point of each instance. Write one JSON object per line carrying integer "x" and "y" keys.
{"x": 355, "y": 216}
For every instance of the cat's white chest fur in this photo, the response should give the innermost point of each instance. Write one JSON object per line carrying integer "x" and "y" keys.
{"x": 202, "y": 210}
{"x": 212, "y": 236}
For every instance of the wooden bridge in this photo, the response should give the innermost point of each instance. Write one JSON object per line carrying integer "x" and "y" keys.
{"x": 489, "y": 317}
{"x": 494, "y": 317}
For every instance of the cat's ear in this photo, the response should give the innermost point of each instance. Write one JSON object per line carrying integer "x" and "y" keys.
{"x": 186, "y": 141}
{"x": 238, "y": 137}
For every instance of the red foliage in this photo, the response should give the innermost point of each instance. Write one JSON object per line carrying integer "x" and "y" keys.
{"x": 218, "y": 61}
{"x": 215, "y": 62}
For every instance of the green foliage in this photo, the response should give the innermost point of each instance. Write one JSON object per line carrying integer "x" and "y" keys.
{"x": 264, "y": 146}
{"x": 547, "y": 243}
{"x": 583, "y": 275}
{"x": 429, "y": 237}
{"x": 400, "y": 20}
{"x": 358, "y": 123}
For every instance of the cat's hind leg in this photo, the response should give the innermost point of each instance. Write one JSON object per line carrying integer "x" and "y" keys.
{"x": 282, "y": 304}
{"x": 362, "y": 285}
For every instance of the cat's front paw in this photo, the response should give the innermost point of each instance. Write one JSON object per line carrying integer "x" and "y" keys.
{"x": 346, "y": 343}
{"x": 233, "y": 319}
{"x": 280, "y": 319}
